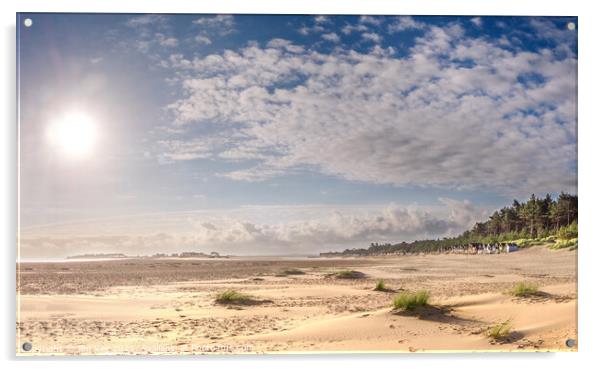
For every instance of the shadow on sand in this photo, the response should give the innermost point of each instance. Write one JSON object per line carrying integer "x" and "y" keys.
{"x": 512, "y": 337}
{"x": 541, "y": 296}
{"x": 440, "y": 314}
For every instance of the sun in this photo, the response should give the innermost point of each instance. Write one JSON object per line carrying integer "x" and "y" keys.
{"x": 74, "y": 134}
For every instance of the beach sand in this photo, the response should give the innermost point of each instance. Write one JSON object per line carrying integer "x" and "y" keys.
{"x": 167, "y": 306}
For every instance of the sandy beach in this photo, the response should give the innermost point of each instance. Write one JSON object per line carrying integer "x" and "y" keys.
{"x": 167, "y": 306}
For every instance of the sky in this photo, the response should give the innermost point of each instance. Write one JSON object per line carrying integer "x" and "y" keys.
{"x": 274, "y": 134}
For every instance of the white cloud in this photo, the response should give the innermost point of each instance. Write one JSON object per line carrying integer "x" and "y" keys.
{"x": 333, "y": 37}
{"x": 279, "y": 43}
{"x": 166, "y": 41}
{"x": 362, "y": 24}
{"x": 349, "y": 28}
{"x": 203, "y": 40}
{"x": 322, "y": 19}
{"x": 96, "y": 60}
{"x": 452, "y": 113}
{"x": 404, "y": 23}
{"x": 142, "y": 46}
{"x": 368, "y": 19}
{"x": 253, "y": 174}
{"x": 477, "y": 21}
{"x": 304, "y": 30}
{"x": 153, "y": 34}
{"x": 318, "y": 25}
{"x": 180, "y": 150}
{"x": 374, "y": 37}
{"x": 222, "y": 24}
{"x": 212, "y": 26}
{"x": 146, "y": 20}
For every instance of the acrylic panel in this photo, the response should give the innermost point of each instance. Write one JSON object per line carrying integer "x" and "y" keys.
{"x": 235, "y": 184}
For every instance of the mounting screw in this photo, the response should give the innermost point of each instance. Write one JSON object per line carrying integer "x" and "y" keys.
{"x": 27, "y": 346}
{"x": 27, "y": 22}
{"x": 570, "y": 342}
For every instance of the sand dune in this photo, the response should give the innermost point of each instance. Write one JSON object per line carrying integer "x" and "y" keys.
{"x": 310, "y": 312}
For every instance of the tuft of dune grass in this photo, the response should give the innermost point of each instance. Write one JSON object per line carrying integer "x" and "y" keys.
{"x": 291, "y": 271}
{"x": 571, "y": 244}
{"x": 409, "y": 301}
{"x": 380, "y": 286}
{"x": 349, "y": 274}
{"x": 500, "y": 331}
{"x": 232, "y": 297}
{"x": 524, "y": 289}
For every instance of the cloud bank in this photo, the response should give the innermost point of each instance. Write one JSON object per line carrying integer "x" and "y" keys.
{"x": 245, "y": 233}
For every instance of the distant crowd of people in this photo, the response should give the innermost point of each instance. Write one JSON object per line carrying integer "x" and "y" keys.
{"x": 480, "y": 248}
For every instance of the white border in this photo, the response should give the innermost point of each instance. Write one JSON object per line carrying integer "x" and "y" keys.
{"x": 589, "y": 178}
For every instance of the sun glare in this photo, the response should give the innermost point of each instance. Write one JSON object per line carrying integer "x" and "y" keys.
{"x": 74, "y": 134}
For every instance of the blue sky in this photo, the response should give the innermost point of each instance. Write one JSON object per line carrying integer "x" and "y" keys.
{"x": 288, "y": 134}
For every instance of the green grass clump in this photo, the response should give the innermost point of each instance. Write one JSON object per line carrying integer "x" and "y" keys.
{"x": 526, "y": 242}
{"x": 568, "y": 232}
{"x": 563, "y": 244}
{"x": 349, "y": 274}
{"x": 292, "y": 271}
{"x": 499, "y": 331}
{"x": 380, "y": 286}
{"x": 524, "y": 289}
{"x": 411, "y": 300}
{"x": 232, "y": 297}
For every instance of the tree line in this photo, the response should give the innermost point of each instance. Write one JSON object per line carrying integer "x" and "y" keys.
{"x": 534, "y": 218}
